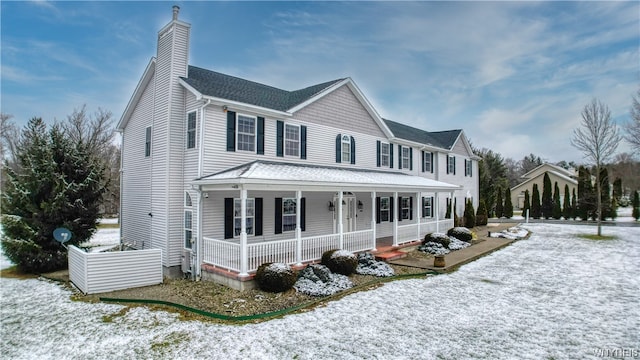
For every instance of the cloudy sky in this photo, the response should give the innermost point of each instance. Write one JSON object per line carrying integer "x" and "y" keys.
{"x": 514, "y": 75}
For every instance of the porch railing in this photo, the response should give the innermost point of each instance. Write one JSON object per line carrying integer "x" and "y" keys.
{"x": 314, "y": 246}
{"x": 282, "y": 251}
{"x": 358, "y": 240}
{"x": 221, "y": 253}
{"x": 407, "y": 233}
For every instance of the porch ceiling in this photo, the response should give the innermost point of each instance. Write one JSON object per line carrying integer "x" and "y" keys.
{"x": 270, "y": 175}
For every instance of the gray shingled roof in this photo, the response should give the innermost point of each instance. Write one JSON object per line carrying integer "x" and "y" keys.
{"x": 228, "y": 87}
{"x": 441, "y": 139}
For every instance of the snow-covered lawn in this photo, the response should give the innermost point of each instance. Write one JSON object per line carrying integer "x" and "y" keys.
{"x": 552, "y": 296}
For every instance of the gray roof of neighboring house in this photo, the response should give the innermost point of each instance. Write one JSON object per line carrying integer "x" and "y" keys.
{"x": 228, "y": 87}
{"x": 441, "y": 139}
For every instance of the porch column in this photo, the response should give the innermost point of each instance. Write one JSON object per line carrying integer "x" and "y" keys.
{"x": 340, "y": 228}
{"x": 453, "y": 209}
{"x": 436, "y": 208}
{"x": 394, "y": 203}
{"x": 418, "y": 212}
{"x": 298, "y": 229}
{"x": 244, "y": 254}
{"x": 373, "y": 220}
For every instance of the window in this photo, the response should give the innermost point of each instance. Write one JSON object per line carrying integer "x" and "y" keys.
{"x": 237, "y": 216}
{"x": 346, "y": 149}
{"x": 384, "y": 154}
{"x": 191, "y": 130}
{"x": 288, "y": 214}
{"x": 467, "y": 168}
{"x": 246, "y": 133}
{"x": 292, "y": 140}
{"x": 188, "y": 225}
{"x": 384, "y": 209}
{"x": 451, "y": 164}
{"x": 147, "y": 142}
{"x": 427, "y": 166}
{"x": 406, "y": 163}
{"x": 187, "y": 199}
{"x": 427, "y": 207}
{"x": 405, "y": 208}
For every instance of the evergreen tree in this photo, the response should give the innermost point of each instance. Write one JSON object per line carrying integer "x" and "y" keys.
{"x": 617, "y": 189}
{"x": 556, "y": 212}
{"x": 481, "y": 215}
{"x": 499, "y": 205}
{"x": 447, "y": 214}
{"x": 469, "y": 214}
{"x": 536, "y": 210}
{"x": 547, "y": 200}
{"x": 527, "y": 204}
{"x": 574, "y": 204}
{"x": 58, "y": 184}
{"x": 614, "y": 208}
{"x": 636, "y": 205}
{"x": 605, "y": 195}
{"x": 586, "y": 195}
{"x": 566, "y": 203}
{"x": 508, "y": 205}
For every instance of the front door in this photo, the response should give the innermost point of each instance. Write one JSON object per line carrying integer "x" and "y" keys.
{"x": 348, "y": 213}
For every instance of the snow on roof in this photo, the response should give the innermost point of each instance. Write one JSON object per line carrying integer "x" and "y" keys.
{"x": 268, "y": 172}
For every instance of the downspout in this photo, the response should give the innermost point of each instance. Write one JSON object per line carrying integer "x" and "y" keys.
{"x": 198, "y": 254}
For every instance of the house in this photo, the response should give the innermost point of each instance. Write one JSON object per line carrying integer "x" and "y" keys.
{"x": 224, "y": 174}
{"x": 536, "y": 176}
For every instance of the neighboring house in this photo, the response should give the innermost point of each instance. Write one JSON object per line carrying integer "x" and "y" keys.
{"x": 536, "y": 176}
{"x": 224, "y": 174}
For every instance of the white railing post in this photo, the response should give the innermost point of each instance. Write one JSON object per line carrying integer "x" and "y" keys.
{"x": 373, "y": 220}
{"x": 418, "y": 212}
{"x": 244, "y": 258}
{"x": 298, "y": 229}
{"x": 437, "y": 210}
{"x": 394, "y": 203}
{"x": 340, "y": 225}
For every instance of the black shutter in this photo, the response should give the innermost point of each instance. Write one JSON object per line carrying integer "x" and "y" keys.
{"x": 378, "y": 154}
{"x": 279, "y": 138}
{"x": 423, "y": 155}
{"x": 391, "y": 156}
{"x": 338, "y": 149}
{"x": 454, "y": 165}
{"x": 353, "y": 150}
{"x": 391, "y": 206}
{"x": 228, "y": 218}
{"x": 399, "y": 208}
{"x": 423, "y": 203}
{"x": 377, "y": 210}
{"x": 258, "y": 217}
{"x": 433, "y": 207}
{"x": 399, "y": 156}
{"x": 431, "y": 162}
{"x": 410, "y": 158}
{"x": 303, "y": 142}
{"x": 278, "y": 216}
{"x": 260, "y": 145}
{"x": 303, "y": 213}
{"x": 411, "y": 208}
{"x": 447, "y": 163}
{"x": 231, "y": 131}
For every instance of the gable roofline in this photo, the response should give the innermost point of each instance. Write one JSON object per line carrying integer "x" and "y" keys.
{"x": 556, "y": 167}
{"x": 147, "y": 75}
{"x": 465, "y": 141}
{"x": 560, "y": 175}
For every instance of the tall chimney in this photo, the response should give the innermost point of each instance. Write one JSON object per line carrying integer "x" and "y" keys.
{"x": 176, "y": 10}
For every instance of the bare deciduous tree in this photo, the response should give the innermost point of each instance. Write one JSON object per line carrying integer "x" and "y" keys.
{"x": 95, "y": 131}
{"x": 633, "y": 127}
{"x": 598, "y": 140}
{"x": 8, "y": 137}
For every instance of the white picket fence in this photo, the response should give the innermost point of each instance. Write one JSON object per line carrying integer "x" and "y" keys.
{"x": 109, "y": 271}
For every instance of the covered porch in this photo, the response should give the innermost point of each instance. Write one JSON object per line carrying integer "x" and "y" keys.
{"x": 323, "y": 208}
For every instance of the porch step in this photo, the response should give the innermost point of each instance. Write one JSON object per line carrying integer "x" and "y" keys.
{"x": 390, "y": 255}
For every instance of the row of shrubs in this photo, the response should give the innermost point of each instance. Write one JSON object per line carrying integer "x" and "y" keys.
{"x": 440, "y": 244}
{"x": 322, "y": 279}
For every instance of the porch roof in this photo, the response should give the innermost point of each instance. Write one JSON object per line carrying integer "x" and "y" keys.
{"x": 269, "y": 175}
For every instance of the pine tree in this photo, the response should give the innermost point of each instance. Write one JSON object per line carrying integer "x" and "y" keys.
{"x": 58, "y": 184}
{"x": 499, "y": 205}
{"x": 605, "y": 195}
{"x": 508, "y": 205}
{"x": 481, "y": 214}
{"x": 586, "y": 195}
{"x": 527, "y": 204}
{"x": 636, "y": 205}
{"x": 574, "y": 204}
{"x": 547, "y": 201}
{"x": 536, "y": 210}
{"x": 566, "y": 203}
{"x": 469, "y": 214}
{"x": 557, "y": 210}
{"x": 614, "y": 208}
{"x": 617, "y": 189}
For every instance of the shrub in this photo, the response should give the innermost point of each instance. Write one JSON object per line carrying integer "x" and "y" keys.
{"x": 433, "y": 248}
{"x": 481, "y": 214}
{"x": 317, "y": 280}
{"x": 438, "y": 238}
{"x": 340, "y": 261}
{"x": 275, "y": 277}
{"x": 368, "y": 265}
{"x": 469, "y": 214}
{"x": 461, "y": 233}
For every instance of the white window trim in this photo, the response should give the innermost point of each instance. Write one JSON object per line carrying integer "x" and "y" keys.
{"x": 238, "y": 215}
{"x": 406, "y": 160}
{"x": 451, "y": 165}
{"x": 406, "y": 208}
{"x": 294, "y": 215}
{"x": 387, "y": 210}
{"x": 428, "y": 159}
{"x": 194, "y": 131}
{"x": 344, "y": 142}
{"x": 387, "y": 155}
{"x": 148, "y": 134}
{"x": 188, "y": 229}
{"x": 468, "y": 168}
{"x": 285, "y": 140}
{"x": 427, "y": 207}
{"x": 255, "y": 131}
